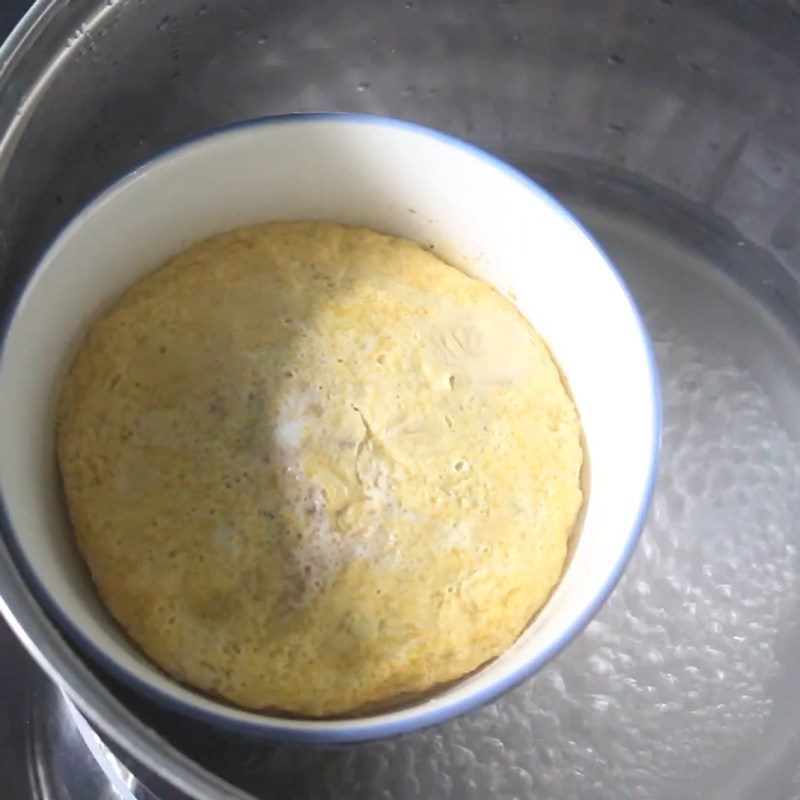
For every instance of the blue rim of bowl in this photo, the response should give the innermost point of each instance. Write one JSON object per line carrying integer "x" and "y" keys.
{"x": 342, "y": 731}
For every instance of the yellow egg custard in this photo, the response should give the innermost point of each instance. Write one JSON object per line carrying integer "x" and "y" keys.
{"x": 313, "y": 468}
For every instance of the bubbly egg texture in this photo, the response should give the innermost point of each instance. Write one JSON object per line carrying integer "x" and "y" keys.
{"x": 314, "y": 469}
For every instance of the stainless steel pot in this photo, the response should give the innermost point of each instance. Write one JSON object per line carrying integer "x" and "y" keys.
{"x": 671, "y": 127}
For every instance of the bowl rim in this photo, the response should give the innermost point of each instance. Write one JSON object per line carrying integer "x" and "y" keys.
{"x": 393, "y": 721}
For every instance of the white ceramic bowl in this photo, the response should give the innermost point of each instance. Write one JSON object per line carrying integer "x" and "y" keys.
{"x": 479, "y": 214}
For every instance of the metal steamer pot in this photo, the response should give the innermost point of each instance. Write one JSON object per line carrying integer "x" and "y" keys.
{"x": 670, "y": 128}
